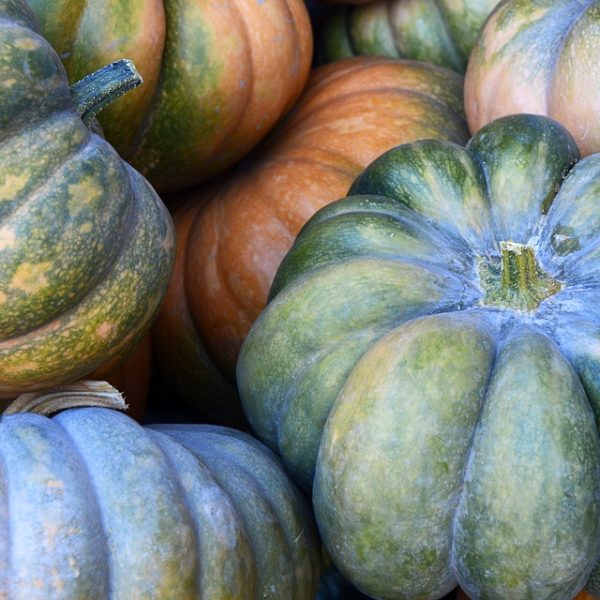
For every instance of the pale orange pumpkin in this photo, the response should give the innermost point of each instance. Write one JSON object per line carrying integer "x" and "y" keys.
{"x": 540, "y": 58}
{"x": 233, "y": 235}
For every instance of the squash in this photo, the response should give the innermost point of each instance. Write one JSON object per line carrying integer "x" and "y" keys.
{"x": 233, "y": 234}
{"x": 541, "y": 58}
{"x": 442, "y": 33}
{"x": 131, "y": 378}
{"x": 430, "y": 357}
{"x": 98, "y": 506}
{"x": 460, "y": 595}
{"x": 86, "y": 245}
{"x": 218, "y": 75}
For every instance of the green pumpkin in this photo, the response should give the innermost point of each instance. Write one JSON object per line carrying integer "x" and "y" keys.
{"x": 441, "y": 32}
{"x": 86, "y": 245}
{"x": 431, "y": 356}
{"x": 98, "y": 506}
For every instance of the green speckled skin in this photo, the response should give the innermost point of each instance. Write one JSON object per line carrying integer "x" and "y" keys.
{"x": 446, "y": 439}
{"x": 216, "y": 82}
{"x": 86, "y": 245}
{"x": 98, "y": 507}
{"x": 436, "y": 31}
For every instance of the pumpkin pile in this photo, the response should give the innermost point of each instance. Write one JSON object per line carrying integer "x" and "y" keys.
{"x": 350, "y": 296}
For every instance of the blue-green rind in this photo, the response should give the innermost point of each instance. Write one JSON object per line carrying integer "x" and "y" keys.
{"x": 311, "y": 320}
{"x": 390, "y": 466}
{"x": 60, "y": 552}
{"x": 528, "y": 521}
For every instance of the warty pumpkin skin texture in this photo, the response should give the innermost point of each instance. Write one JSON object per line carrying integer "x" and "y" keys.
{"x": 233, "y": 235}
{"x": 430, "y": 356}
{"x": 439, "y": 32}
{"x": 539, "y": 57}
{"x": 96, "y": 506}
{"x": 218, "y": 75}
{"x": 86, "y": 245}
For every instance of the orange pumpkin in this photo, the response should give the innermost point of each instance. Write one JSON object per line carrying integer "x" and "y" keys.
{"x": 217, "y": 75}
{"x": 540, "y": 58}
{"x": 233, "y": 235}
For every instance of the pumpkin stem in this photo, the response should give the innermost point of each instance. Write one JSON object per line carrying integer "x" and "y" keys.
{"x": 81, "y": 393}
{"x": 520, "y": 283}
{"x": 98, "y": 89}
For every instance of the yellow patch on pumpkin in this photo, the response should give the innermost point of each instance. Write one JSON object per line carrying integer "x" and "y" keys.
{"x": 3, "y": 297}
{"x": 30, "y": 277}
{"x": 11, "y": 186}
{"x": 104, "y": 330}
{"x": 85, "y": 192}
{"x": 86, "y": 228}
{"x": 26, "y": 43}
{"x": 7, "y": 238}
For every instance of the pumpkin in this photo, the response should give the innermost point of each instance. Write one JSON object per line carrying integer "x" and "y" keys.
{"x": 232, "y": 235}
{"x": 442, "y": 33}
{"x": 541, "y": 58}
{"x": 430, "y": 355}
{"x": 98, "y": 506}
{"x": 460, "y": 595}
{"x": 131, "y": 378}
{"x": 86, "y": 245}
{"x": 218, "y": 75}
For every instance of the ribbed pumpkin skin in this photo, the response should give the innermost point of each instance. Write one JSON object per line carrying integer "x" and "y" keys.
{"x": 447, "y": 426}
{"x": 217, "y": 75}
{"x": 539, "y": 57}
{"x": 440, "y": 32}
{"x": 232, "y": 236}
{"x": 130, "y": 377}
{"x": 86, "y": 245}
{"x": 96, "y": 506}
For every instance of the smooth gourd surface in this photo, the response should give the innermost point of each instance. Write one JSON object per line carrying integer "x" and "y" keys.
{"x": 95, "y": 506}
{"x": 233, "y": 235}
{"x": 217, "y": 75}
{"x": 444, "y": 420}
{"x": 86, "y": 245}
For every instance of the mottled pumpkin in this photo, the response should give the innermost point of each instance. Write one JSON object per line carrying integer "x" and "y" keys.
{"x": 440, "y": 32}
{"x": 98, "y": 506}
{"x": 86, "y": 245}
{"x": 431, "y": 357}
{"x": 233, "y": 235}
{"x": 217, "y": 75}
{"x": 539, "y": 57}
{"x": 131, "y": 377}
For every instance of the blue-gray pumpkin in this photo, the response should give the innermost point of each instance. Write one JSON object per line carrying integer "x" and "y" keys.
{"x": 431, "y": 356}
{"x": 93, "y": 505}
